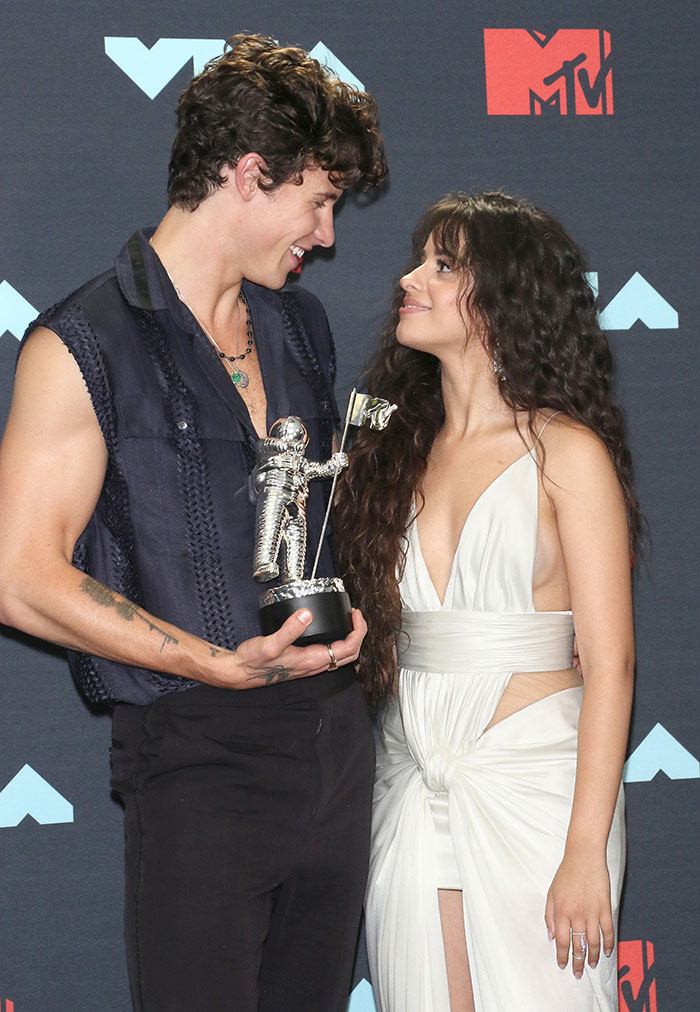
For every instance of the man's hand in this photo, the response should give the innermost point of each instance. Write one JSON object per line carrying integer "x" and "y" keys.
{"x": 266, "y": 660}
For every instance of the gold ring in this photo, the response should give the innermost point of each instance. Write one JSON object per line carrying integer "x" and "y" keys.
{"x": 333, "y": 664}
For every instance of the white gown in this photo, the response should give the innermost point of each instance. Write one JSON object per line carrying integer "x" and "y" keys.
{"x": 482, "y": 811}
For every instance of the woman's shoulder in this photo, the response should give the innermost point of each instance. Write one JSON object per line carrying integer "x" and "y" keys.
{"x": 558, "y": 430}
{"x": 573, "y": 452}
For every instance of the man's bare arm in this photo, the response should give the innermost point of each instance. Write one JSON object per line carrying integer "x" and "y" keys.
{"x": 52, "y": 466}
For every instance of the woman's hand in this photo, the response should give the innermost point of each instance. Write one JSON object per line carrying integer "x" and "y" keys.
{"x": 578, "y": 909}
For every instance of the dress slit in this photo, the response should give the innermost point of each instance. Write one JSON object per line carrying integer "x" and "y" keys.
{"x": 463, "y": 970}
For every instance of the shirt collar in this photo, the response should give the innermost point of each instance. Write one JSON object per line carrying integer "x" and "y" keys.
{"x": 146, "y": 285}
{"x": 145, "y": 282}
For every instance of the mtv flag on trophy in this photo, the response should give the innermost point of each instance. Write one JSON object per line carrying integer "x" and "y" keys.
{"x": 374, "y": 410}
{"x": 362, "y": 409}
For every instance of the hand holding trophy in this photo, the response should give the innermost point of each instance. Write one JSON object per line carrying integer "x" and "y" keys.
{"x": 281, "y": 483}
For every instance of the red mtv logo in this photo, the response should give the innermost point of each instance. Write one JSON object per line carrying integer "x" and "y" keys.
{"x": 636, "y": 976}
{"x": 568, "y": 71}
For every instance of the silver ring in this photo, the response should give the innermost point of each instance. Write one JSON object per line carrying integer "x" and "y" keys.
{"x": 334, "y": 663}
{"x": 584, "y": 944}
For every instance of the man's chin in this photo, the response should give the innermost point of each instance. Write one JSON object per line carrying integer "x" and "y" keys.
{"x": 289, "y": 276}
{"x": 274, "y": 284}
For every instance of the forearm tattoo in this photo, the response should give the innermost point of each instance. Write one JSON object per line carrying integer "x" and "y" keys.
{"x": 125, "y": 609}
{"x": 270, "y": 676}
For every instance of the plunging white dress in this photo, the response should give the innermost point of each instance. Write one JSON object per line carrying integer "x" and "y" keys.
{"x": 485, "y": 811}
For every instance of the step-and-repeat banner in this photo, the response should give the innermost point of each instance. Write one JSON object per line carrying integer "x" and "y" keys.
{"x": 588, "y": 109}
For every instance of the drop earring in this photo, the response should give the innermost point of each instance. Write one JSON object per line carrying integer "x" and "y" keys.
{"x": 497, "y": 367}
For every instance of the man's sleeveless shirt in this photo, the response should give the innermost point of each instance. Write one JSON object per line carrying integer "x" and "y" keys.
{"x": 173, "y": 529}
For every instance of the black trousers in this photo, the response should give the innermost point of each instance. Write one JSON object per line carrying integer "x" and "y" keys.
{"x": 247, "y": 821}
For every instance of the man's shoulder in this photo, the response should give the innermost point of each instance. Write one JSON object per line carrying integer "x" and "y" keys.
{"x": 93, "y": 298}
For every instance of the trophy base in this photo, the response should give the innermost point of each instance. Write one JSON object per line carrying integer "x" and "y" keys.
{"x": 325, "y": 598}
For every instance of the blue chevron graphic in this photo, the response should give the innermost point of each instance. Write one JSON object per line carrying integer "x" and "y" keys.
{"x": 362, "y": 999}
{"x": 29, "y": 794}
{"x": 15, "y": 312}
{"x": 636, "y": 300}
{"x": 151, "y": 69}
{"x": 155, "y": 67}
{"x": 323, "y": 54}
{"x": 660, "y": 752}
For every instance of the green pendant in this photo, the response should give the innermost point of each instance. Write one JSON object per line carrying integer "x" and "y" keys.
{"x": 239, "y": 378}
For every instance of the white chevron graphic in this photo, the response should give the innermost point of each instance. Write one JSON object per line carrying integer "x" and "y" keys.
{"x": 15, "y": 312}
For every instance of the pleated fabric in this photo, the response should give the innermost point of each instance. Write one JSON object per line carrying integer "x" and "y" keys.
{"x": 485, "y": 811}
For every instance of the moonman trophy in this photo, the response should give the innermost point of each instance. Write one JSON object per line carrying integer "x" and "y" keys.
{"x": 280, "y": 482}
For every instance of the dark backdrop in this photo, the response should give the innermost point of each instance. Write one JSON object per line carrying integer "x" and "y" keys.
{"x": 86, "y": 137}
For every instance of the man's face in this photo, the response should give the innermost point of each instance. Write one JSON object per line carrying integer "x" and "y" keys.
{"x": 291, "y": 220}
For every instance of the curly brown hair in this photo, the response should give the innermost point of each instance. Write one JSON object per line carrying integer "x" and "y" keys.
{"x": 282, "y": 104}
{"x": 525, "y": 279}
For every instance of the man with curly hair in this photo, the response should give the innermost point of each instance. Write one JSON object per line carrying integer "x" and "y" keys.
{"x": 244, "y": 762}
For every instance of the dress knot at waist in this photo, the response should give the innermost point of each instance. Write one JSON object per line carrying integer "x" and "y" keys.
{"x": 439, "y": 768}
{"x": 474, "y": 641}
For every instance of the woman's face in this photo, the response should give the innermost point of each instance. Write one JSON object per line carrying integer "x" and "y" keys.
{"x": 430, "y": 318}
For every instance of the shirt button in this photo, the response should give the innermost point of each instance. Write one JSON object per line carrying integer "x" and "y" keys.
{"x": 182, "y": 425}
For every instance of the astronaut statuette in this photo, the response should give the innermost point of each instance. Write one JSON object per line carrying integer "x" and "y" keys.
{"x": 280, "y": 488}
{"x": 281, "y": 483}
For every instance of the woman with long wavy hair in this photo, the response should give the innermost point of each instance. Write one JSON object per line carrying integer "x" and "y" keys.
{"x": 493, "y": 517}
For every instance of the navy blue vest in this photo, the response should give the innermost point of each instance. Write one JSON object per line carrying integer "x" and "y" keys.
{"x": 173, "y": 530}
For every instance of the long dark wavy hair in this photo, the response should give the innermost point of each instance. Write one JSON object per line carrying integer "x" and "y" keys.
{"x": 525, "y": 280}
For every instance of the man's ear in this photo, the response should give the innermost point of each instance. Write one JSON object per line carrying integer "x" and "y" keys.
{"x": 246, "y": 175}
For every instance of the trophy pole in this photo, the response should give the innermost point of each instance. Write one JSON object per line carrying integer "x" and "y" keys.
{"x": 348, "y": 415}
